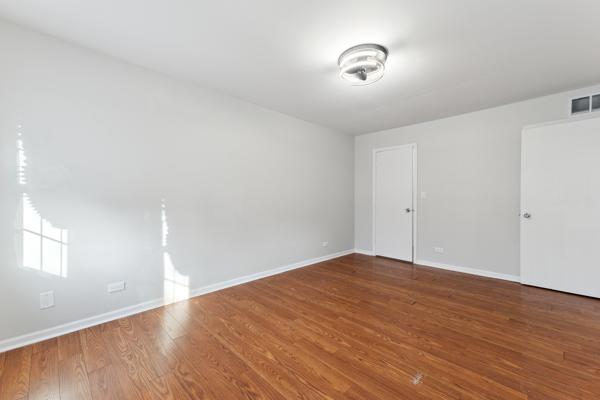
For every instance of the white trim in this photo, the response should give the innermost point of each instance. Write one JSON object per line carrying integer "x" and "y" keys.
{"x": 472, "y": 271}
{"x": 365, "y": 252}
{"x": 576, "y": 117}
{"x": 415, "y": 206}
{"x": 414, "y": 201}
{"x": 34, "y": 337}
{"x": 267, "y": 273}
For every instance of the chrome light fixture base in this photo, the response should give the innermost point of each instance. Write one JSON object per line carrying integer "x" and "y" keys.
{"x": 363, "y": 64}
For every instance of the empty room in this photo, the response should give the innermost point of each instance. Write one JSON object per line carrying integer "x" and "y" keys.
{"x": 318, "y": 200}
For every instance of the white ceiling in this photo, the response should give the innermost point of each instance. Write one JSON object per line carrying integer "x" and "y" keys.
{"x": 446, "y": 56}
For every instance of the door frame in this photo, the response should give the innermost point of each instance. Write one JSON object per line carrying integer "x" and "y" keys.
{"x": 413, "y": 147}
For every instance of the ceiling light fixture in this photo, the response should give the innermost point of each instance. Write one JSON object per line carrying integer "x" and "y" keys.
{"x": 363, "y": 64}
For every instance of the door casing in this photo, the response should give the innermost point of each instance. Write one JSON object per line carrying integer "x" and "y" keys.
{"x": 415, "y": 212}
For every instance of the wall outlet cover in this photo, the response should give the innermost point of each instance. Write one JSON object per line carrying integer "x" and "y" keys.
{"x": 46, "y": 300}
{"x": 116, "y": 287}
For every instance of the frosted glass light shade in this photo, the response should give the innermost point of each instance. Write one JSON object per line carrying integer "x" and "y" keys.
{"x": 363, "y": 64}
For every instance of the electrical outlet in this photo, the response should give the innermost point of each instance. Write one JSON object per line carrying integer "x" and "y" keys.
{"x": 438, "y": 249}
{"x": 116, "y": 287}
{"x": 46, "y": 300}
{"x": 325, "y": 244}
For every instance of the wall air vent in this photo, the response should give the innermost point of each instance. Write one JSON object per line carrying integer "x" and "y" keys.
{"x": 596, "y": 102}
{"x": 585, "y": 104}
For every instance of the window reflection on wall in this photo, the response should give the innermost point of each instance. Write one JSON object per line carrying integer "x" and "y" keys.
{"x": 43, "y": 246}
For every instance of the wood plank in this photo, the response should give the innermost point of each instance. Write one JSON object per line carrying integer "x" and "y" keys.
{"x": 160, "y": 347}
{"x": 173, "y": 327}
{"x": 93, "y": 348}
{"x": 44, "y": 375}
{"x": 266, "y": 360}
{"x": 113, "y": 382}
{"x": 74, "y": 382}
{"x": 14, "y": 383}
{"x": 104, "y": 384}
{"x": 45, "y": 345}
{"x": 224, "y": 369}
{"x": 2, "y": 362}
{"x": 168, "y": 388}
{"x": 69, "y": 345}
{"x": 133, "y": 361}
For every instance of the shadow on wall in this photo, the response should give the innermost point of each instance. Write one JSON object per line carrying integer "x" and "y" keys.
{"x": 42, "y": 243}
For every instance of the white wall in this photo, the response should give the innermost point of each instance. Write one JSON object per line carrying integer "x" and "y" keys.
{"x": 469, "y": 167}
{"x": 245, "y": 189}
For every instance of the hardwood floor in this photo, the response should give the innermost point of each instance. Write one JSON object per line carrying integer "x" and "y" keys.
{"x": 356, "y": 327}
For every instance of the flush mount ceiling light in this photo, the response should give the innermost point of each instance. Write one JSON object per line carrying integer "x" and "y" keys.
{"x": 363, "y": 64}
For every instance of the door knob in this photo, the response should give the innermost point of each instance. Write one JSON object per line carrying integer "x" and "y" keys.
{"x": 408, "y": 210}
{"x": 526, "y": 215}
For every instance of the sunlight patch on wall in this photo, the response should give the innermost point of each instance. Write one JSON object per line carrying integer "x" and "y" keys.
{"x": 43, "y": 246}
{"x": 176, "y": 285}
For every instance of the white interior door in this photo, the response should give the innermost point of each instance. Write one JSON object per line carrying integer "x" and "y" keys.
{"x": 560, "y": 221}
{"x": 393, "y": 202}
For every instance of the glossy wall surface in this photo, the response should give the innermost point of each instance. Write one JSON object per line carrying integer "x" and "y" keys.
{"x": 110, "y": 172}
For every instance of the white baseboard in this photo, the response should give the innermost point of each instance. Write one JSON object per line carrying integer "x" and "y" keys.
{"x": 472, "y": 271}
{"x": 59, "y": 330}
{"x": 365, "y": 252}
{"x": 264, "y": 274}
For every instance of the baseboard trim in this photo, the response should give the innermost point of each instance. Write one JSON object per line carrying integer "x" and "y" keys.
{"x": 59, "y": 330}
{"x": 365, "y": 252}
{"x": 265, "y": 274}
{"x": 472, "y": 271}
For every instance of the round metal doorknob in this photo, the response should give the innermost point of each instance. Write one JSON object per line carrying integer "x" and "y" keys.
{"x": 408, "y": 210}
{"x": 526, "y": 215}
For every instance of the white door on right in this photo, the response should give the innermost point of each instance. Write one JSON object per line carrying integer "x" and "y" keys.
{"x": 560, "y": 206}
{"x": 393, "y": 202}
